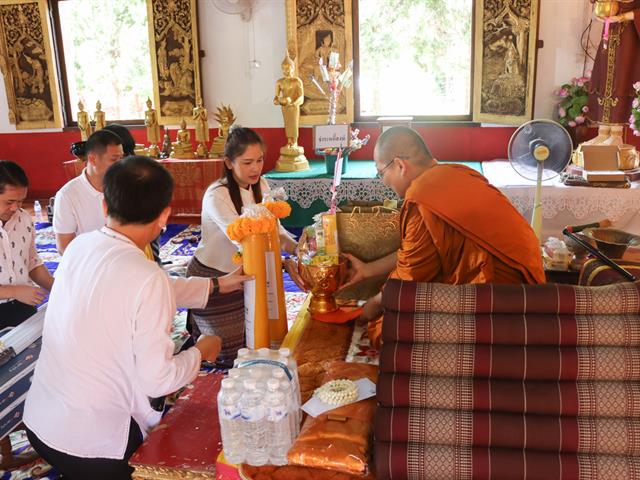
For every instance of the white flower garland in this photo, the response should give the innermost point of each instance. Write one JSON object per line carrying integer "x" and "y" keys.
{"x": 338, "y": 392}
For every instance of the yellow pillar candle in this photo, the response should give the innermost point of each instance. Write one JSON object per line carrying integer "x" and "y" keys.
{"x": 254, "y": 248}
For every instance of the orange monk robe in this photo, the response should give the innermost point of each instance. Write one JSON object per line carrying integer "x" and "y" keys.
{"x": 456, "y": 228}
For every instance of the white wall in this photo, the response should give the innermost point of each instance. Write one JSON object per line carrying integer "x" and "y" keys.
{"x": 228, "y": 45}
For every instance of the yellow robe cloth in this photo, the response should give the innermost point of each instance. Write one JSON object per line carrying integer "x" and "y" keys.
{"x": 456, "y": 229}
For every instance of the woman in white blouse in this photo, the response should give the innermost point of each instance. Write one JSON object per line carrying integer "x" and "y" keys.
{"x": 241, "y": 185}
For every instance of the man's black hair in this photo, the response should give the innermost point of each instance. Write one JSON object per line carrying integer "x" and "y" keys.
{"x": 128, "y": 143}
{"x": 99, "y": 141}
{"x": 12, "y": 174}
{"x": 136, "y": 190}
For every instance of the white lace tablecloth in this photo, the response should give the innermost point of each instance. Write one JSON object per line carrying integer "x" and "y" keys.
{"x": 305, "y": 191}
{"x": 563, "y": 205}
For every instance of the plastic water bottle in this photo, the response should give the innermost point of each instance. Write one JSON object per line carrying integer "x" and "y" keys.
{"x": 285, "y": 353}
{"x": 278, "y": 423}
{"x": 254, "y": 425}
{"x": 231, "y": 426}
{"x": 37, "y": 209}
{"x": 294, "y": 411}
{"x": 244, "y": 354}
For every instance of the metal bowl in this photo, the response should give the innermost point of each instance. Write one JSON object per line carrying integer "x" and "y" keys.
{"x": 613, "y": 243}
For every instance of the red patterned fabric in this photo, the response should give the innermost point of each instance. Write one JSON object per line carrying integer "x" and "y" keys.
{"x": 590, "y": 435}
{"x": 509, "y": 381}
{"x": 511, "y": 328}
{"x": 427, "y": 462}
{"x": 400, "y": 296}
{"x": 594, "y": 273}
{"x": 585, "y": 399}
{"x": 512, "y": 362}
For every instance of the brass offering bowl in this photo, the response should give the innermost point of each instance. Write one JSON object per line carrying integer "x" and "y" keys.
{"x": 606, "y": 8}
{"x": 613, "y": 243}
{"x": 323, "y": 281}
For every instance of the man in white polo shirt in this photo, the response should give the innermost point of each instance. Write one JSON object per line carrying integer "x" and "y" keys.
{"x": 78, "y": 204}
{"x": 20, "y": 264}
{"x": 106, "y": 346}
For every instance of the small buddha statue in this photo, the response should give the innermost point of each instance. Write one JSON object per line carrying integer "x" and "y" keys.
{"x": 201, "y": 118}
{"x": 166, "y": 144}
{"x": 225, "y": 118}
{"x": 182, "y": 147}
{"x": 98, "y": 117}
{"x": 84, "y": 123}
{"x": 153, "y": 130}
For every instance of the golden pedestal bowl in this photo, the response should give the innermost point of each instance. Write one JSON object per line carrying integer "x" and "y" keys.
{"x": 323, "y": 281}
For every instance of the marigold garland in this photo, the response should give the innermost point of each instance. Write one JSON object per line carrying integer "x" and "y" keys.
{"x": 279, "y": 208}
{"x": 237, "y": 258}
{"x": 244, "y": 226}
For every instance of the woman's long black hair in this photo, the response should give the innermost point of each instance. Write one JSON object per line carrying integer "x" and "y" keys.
{"x": 237, "y": 142}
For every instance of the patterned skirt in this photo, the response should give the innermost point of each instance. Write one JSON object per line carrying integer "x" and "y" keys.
{"x": 223, "y": 316}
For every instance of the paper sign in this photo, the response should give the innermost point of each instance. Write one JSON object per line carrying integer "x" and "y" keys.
{"x": 331, "y": 136}
{"x": 250, "y": 311}
{"x": 315, "y": 406}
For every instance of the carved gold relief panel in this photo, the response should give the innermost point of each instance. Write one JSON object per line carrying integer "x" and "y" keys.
{"x": 315, "y": 28}
{"x": 173, "y": 45}
{"x": 27, "y": 65}
{"x": 505, "y": 58}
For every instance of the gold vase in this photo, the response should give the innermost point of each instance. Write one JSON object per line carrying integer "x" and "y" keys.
{"x": 323, "y": 281}
{"x": 606, "y": 8}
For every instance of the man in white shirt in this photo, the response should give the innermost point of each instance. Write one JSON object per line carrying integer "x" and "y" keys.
{"x": 106, "y": 346}
{"x": 20, "y": 264}
{"x": 78, "y": 204}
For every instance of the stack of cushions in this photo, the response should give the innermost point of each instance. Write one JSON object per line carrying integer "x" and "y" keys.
{"x": 509, "y": 381}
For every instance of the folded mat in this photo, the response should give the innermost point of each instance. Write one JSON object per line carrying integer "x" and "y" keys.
{"x": 586, "y": 399}
{"x": 403, "y": 296}
{"x": 431, "y": 462}
{"x": 339, "y": 439}
{"x": 511, "y": 328}
{"x": 588, "y": 435}
{"x": 512, "y": 362}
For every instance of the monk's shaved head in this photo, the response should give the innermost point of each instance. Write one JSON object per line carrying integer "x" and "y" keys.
{"x": 403, "y": 141}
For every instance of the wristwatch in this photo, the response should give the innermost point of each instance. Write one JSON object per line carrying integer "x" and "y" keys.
{"x": 216, "y": 286}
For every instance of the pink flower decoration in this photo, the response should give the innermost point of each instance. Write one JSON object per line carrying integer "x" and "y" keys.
{"x": 580, "y": 82}
{"x": 564, "y": 92}
{"x": 635, "y": 103}
{"x": 636, "y": 86}
{"x": 632, "y": 119}
{"x": 572, "y": 123}
{"x": 636, "y": 133}
{"x": 585, "y": 109}
{"x": 562, "y": 112}
{"x": 579, "y": 119}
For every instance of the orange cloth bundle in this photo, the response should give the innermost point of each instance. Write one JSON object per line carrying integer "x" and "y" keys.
{"x": 339, "y": 439}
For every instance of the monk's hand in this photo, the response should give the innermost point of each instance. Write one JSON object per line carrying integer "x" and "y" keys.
{"x": 291, "y": 267}
{"x": 28, "y": 294}
{"x": 357, "y": 271}
{"x": 209, "y": 346}
{"x": 233, "y": 281}
{"x": 371, "y": 310}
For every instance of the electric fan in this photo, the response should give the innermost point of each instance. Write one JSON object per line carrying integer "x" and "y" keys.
{"x": 539, "y": 150}
{"x": 235, "y": 7}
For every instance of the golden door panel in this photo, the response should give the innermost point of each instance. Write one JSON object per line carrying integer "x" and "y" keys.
{"x": 315, "y": 28}
{"x": 27, "y": 65}
{"x": 173, "y": 45}
{"x": 505, "y": 56}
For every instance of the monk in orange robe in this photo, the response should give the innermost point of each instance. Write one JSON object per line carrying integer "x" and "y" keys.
{"x": 455, "y": 227}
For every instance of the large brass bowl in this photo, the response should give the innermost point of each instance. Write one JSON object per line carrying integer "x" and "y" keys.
{"x": 323, "y": 282}
{"x": 613, "y": 243}
{"x": 606, "y": 8}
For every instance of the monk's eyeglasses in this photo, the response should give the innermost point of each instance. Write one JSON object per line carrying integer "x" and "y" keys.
{"x": 380, "y": 173}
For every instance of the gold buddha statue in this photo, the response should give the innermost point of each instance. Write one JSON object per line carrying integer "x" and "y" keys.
{"x": 290, "y": 95}
{"x": 84, "y": 123}
{"x": 225, "y": 118}
{"x": 201, "y": 118}
{"x": 182, "y": 147}
{"x": 99, "y": 117}
{"x": 153, "y": 130}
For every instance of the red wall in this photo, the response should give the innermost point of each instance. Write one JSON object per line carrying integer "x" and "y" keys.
{"x": 42, "y": 154}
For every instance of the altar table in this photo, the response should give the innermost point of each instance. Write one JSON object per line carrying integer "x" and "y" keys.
{"x": 563, "y": 205}
{"x": 309, "y": 191}
{"x": 191, "y": 178}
